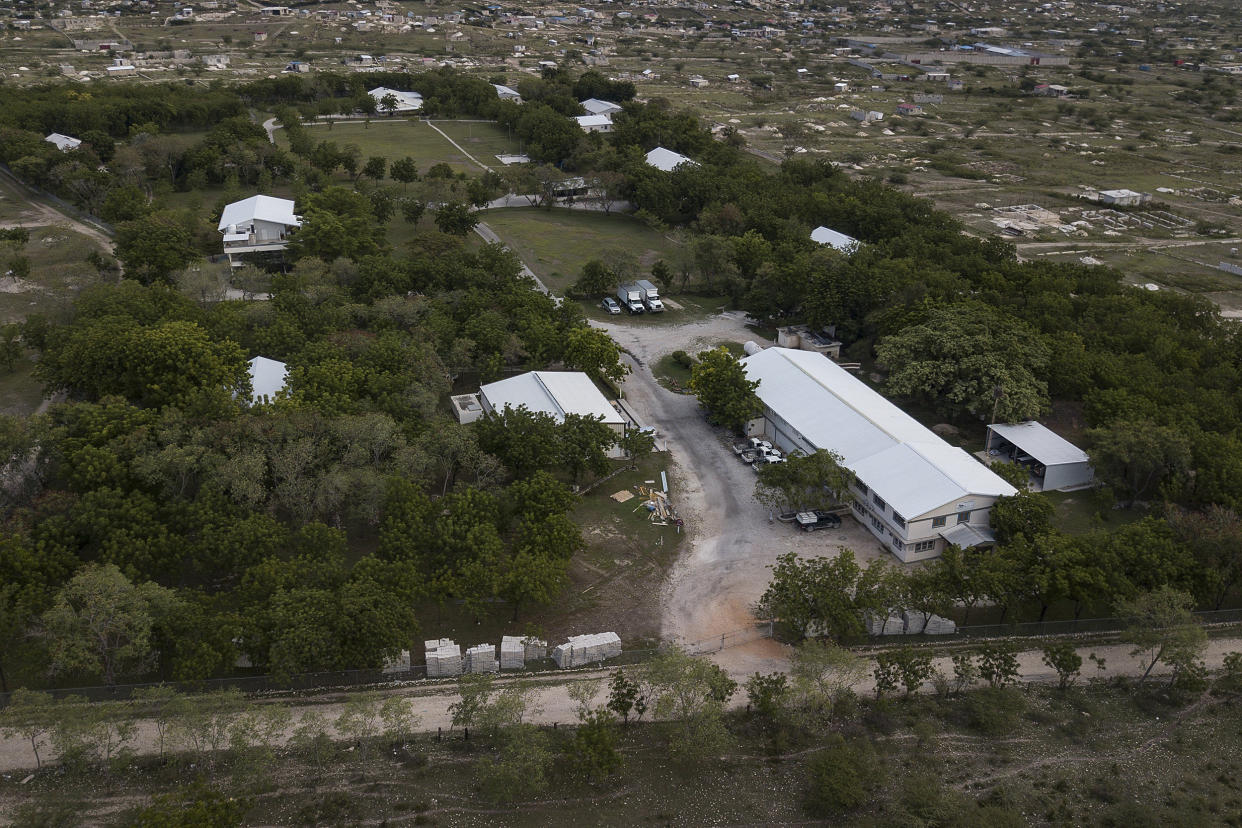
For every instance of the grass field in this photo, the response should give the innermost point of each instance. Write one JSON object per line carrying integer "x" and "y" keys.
{"x": 557, "y": 243}
{"x": 395, "y": 138}
{"x": 58, "y": 270}
{"x": 481, "y": 139}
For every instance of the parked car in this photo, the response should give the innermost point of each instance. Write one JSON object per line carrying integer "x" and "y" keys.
{"x": 762, "y": 445}
{"x": 817, "y": 519}
{"x": 611, "y": 305}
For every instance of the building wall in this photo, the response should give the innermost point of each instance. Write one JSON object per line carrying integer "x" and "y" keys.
{"x": 268, "y": 231}
{"x": 1067, "y": 475}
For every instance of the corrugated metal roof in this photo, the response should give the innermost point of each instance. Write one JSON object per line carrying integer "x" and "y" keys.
{"x": 965, "y": 535}
{"x": 259, "y": 208}
{"x": 267, "y": 377}
{"x": 897, "y": 457}
{"x": 553, "y": 392}
{"x": 1041, "y": 442}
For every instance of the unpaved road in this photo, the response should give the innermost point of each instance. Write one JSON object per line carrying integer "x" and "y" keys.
{"x": 550, "y": 702}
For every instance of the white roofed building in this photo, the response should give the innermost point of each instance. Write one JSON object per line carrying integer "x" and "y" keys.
{"x": 64, "y": 143}
{"x": 406, "y": 101}
{"x": 837, "y": 241}
{"x": 259, "y": 224}
{"x": 595, "y": 106}
{"x": 1054, "y": 462}
{"x": 594, "y": 123}
{"x": 667, "y": 160}
{"x": 268, "y": 377}
{"x": 506, "y": 94}
{"x": 914, "y": 491}
{"x": 555, "y": 393}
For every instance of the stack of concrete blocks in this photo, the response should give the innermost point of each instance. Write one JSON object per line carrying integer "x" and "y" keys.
{"x": 886, "y": 624}
{"x": 536, "y": 648}
{"x": 915, "y": 621}
{"x": 481, "y": 658}
{"x": 940, "y": 626}
{"x": 512, "y": 653}
{"x": 443, "y": 657}
{"x": 400, "y": 664}
{"x": 582, "y": 650}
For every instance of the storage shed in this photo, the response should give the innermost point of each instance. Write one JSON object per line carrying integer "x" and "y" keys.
{"x": 1054, "y": 462}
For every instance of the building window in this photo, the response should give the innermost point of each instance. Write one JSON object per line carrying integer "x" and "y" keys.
{"x": 963, "y": 517}
{"x": 923, "y": 546}
{"x": 879, "y": 527}
{"x": 862, "y": 487}
{"x": 937, "y": 522}
{"x": 875, "y": 498}
{"x": 899, "y": 520}
{"x": 858, "y": 507}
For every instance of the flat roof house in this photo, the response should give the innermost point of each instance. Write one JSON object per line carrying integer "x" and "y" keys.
{"x": 914, "y": 491}
{"x": 258, "y": 224}
{"x": 1054, "y": 462}
{"x": 555, "y": 393}
{"x": 667, "y": 160}
{"x": 594, "y": 123}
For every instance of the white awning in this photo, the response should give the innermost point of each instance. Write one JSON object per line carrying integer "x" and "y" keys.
{"x": 965, "y": 535}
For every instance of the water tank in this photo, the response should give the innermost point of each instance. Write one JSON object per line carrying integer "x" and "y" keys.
{"x": 752, "y": 347}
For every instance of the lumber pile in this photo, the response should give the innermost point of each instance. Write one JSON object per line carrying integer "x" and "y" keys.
{"x": 657, "y": 503}
{"x": 582, "y": 650}
{"x": 443, "y": 657}
{"x": 481, "y": 658}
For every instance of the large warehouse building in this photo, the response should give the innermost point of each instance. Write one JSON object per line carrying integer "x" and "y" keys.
{"x": 914, "y": 491}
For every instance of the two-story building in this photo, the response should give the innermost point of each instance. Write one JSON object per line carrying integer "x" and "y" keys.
{"x": 259, "y": 224}
{"x": 914, "y": 491}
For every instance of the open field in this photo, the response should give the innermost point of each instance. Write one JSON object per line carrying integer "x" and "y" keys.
{"x": 398, "y": 137}
{"x": 58, "y": 270}
{"x": 482, "y": 139}
{"x": 557, "y": 243}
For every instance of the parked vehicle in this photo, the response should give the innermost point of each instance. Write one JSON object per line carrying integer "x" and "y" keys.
{"x": 611, "y": 305}
{"x": 758, "y": 444}
{"x": 631, "y": 298}
{"x": 817, "y": 519}
{"x": 650, "y": 296}
{"x": 767, "y": 460}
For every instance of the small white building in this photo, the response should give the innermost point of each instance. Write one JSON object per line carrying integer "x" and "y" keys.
{"x": 667, "y": 160}
{"x": 837, "y": 241}
{"x": 1123, "y": 198}
{"x": 268, "y": 377}
{"x": 258, "y": 224}
{"x": 555, "y": 393}
{"x": 507, "y": 94}
{"x": 406, "y": 101}
{"x": 594, "y": 123}
{"x": 594, "y": 106}
{"x": 913, "y": 491}
{"x": 1054, "y": 462}
{"x": 64, "y": 143}
{"x": 121, "y": 68}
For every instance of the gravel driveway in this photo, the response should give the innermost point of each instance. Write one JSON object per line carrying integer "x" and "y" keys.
{"x": 724, "y": 567}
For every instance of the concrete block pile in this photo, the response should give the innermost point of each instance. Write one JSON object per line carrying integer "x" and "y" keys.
{"x": 481, "y": 658}
{"x": 940, "y": 626}
{"x": 512, "y": 653}
{"x": 915, "y": 621}
{"x": 909, "y": 622}
{"x": 536, "y": 648}
{"x": 400, "y": 664}
{"x": 887, "y": 624}
{"x": 582, "y": 650}
{"x": 443, "y": 657}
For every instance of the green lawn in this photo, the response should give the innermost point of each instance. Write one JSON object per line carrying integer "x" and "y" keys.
{"x": 393, "y": 138}
{"x": 557, "y": 243}
{"x": 1080, "y": 512}
{"x": 482, "y": 140}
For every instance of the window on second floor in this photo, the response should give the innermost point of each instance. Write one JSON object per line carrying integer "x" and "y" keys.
{"x": 963, "y": 517}
{"x": 937, "y": 522}
{"x": 878, "y": 501}
{"x": 899, "y": 520}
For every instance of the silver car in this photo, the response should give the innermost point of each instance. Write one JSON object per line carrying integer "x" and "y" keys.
{"x": 611, "y": 305}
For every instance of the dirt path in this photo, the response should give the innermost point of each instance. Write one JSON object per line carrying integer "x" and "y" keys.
{"x": 41, "y": 214}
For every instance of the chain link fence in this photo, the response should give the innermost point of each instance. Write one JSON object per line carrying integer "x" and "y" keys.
{"x": 1081, "y": 625}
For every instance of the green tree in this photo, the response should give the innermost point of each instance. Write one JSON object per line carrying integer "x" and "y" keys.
{"x": 593, "y": 751}
{"x": 1063, "y": 657}
{"x": 1214, "y": 537}
{"x": 969, "y": 358}
{"x": 822, "y": 675}
{"x": 816, "y": 596}
{"x": 998, "y": 664}
{"x": 520, "y": 768}
{"x": 404, "y": 171}
{"x": 841, "y": 777}
{"x": 375, "y": 168}
{"x": 625, "y": 696}
{"x": 195, "y": 806}
{"x": 719, "y": 381}
{"x": 456, "y": 219}
{"x": 582, "y": 445}
{"x": 596, "y": 279}
{"x": 805, "y": 481}
{"x": 100, "y": 623}
{"x": 154, "y": 247}
{"x": 1137, "y": 457}
{"x": 337, "y": 223}
{"x": 691, "y": 693}
{"x": 388, "y": 104}
{"x": 412, "y": 210}
{"x": 1162, "y": 628}
{"x": 29, "y": 716}
{"x": 1024, "y": 514}
{"x": 593, "y": 352}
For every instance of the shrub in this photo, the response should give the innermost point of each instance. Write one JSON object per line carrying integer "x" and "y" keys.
{"x": 683, "y": 359}
{"x": 840, "y": 777}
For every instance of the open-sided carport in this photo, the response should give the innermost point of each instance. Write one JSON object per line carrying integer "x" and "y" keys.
{"x": 1054, "y": 461}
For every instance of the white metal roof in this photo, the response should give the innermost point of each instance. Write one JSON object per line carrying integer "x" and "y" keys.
{"x": 63, "y": 142}
{"x": 597, "y": 107}
{"x": 905, "y": 463}
{"x": 839, "y": 241}
{"x": 553, "y": 392}
{"x": 267, "y": 377}
{"x": 667, "y": 160}
{"x": 588, "y": 121}
{"x": 259, "y": 208}
{"x": 406, "y": 101}
{"x": 1041, "y": 442}
{"x": 966, "y": 535}
{"x": 505, "y": 92}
